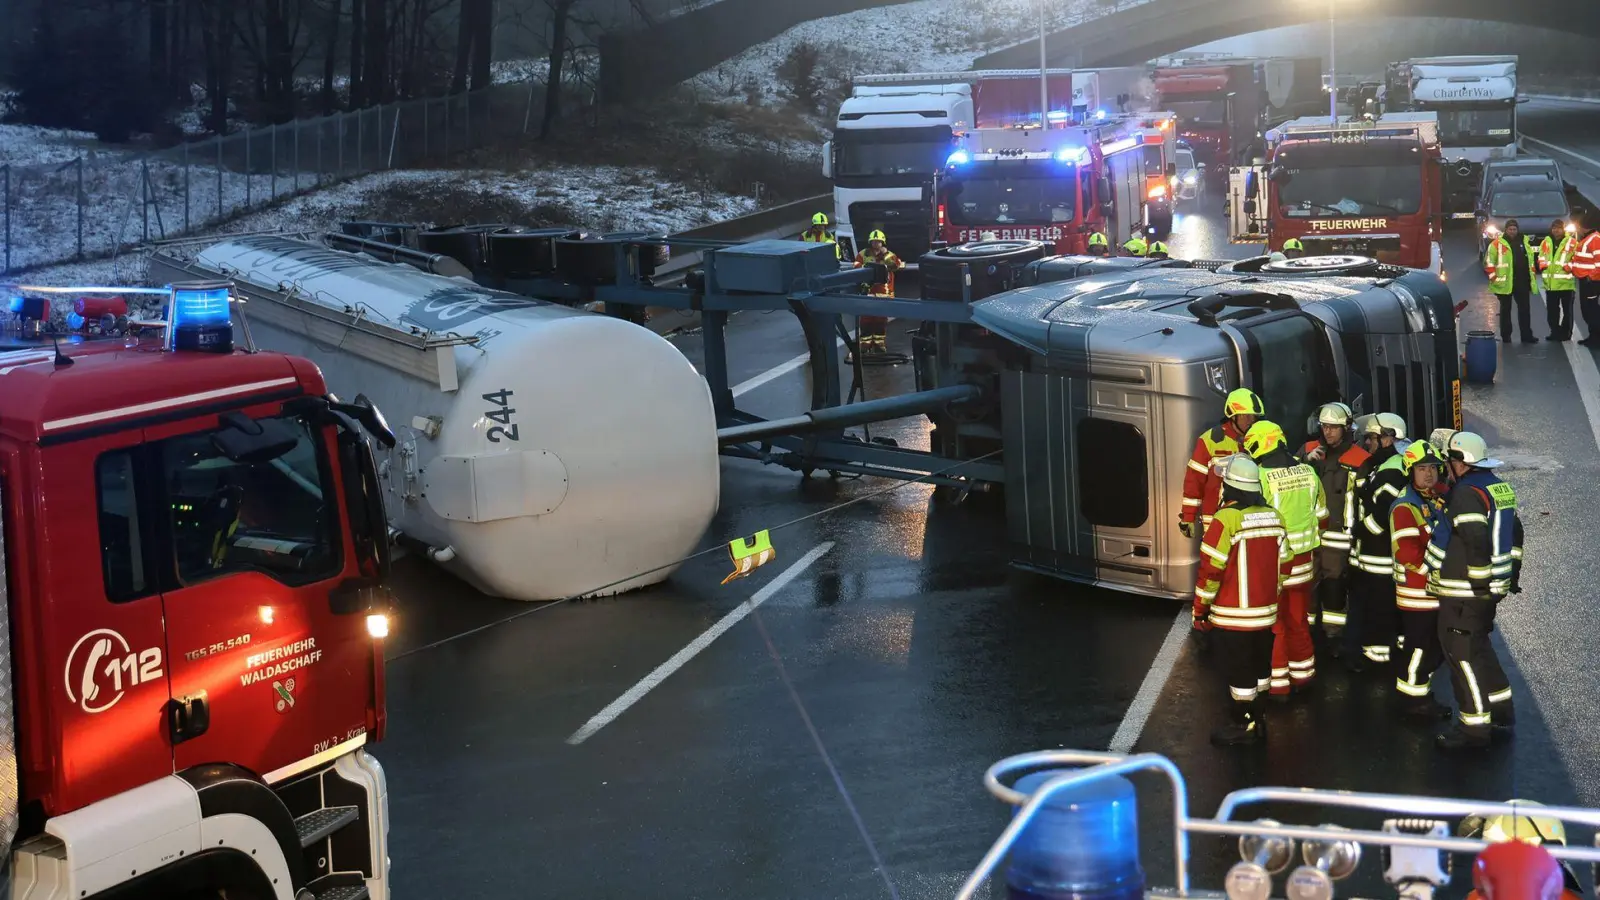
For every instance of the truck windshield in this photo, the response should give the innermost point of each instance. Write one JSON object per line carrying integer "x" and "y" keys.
{"x": 276, "y": 517}
{"x": 1536, "y": 203}
{"x": 889, "y": 151}
{"x": 1001, "y": 200}
{"x": 1351, "y": 191}
{"x": 1198, "y": 112}
{"x": 1475, "y": 127}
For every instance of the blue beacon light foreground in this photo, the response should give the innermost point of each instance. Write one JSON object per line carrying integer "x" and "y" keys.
{"x": 1083, "y": 845}
{"x": 200, "y": 318}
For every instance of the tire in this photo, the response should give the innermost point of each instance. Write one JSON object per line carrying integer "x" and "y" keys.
{"x": 1324, "y": 266}
{"x": 993, "y": 265}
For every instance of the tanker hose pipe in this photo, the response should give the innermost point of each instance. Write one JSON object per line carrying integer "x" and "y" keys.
{"x": 441, "y": 554}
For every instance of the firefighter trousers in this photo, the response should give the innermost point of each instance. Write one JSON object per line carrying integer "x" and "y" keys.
{"x": 1371, "y": 627}
{"x": 1332, "y": 603}
{"x": 1294, "y": 659}
{"x": 1418, "y": 654}
{"x": 1589, "y": 303}
{"x": 1483, "y": 693}
{"x": 1246, "y": 661}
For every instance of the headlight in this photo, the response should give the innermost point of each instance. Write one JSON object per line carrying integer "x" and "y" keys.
{"x": 1158, "y": 192}
{"x": 1490, "y": 230}
{"x": 1190, "y": 178}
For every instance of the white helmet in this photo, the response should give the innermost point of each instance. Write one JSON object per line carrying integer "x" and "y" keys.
{"x": 1242, "y": 473}
{"x": 1440, "y": 439}
{"x": 1470, "y": 449}
{"x": 1334, "y": 414}
{"x": 1387, "y": 425}
{"x": 1363, "y": 424}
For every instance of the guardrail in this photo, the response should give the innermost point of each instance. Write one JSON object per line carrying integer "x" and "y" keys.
{"x": 778, "y": 223}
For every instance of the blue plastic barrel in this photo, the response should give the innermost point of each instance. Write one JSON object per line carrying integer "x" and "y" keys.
{"x": 1083, "y": 845}
{"x": 1482, "y": 357}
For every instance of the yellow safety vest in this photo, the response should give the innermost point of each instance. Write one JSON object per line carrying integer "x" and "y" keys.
{"x": 1555, "y": 261}
{"x": 1498, "y": 260}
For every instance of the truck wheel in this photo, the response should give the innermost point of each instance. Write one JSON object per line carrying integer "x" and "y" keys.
{"x": 1162, "y": 225}
{"x": 993, "y": 265}
{"x": 1324, "y": 265}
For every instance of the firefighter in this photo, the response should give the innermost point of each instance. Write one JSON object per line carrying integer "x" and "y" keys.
{"x": 1136, "y": 245}
{"x": 1474, "y": 562}
{"x": 1586, "y": 269}
{"x": 1202, "y": 484}
{"x": 818, "y": 233}
{"x": 872, "y": 331}
{"x": 1243, "y": 563}
{"x": 1157, "y": 250}
{"x": 1509, "y": 262}
{"x": 1337, "y": 458}
{"x": 1555, "y": 263}
{"x": 1293, "y": 248}
{"x": 1370, "y": 625}
{"x": 1099, "y": 245}
{"x": 1411, "y": 522}
{"x": 1294, "y": 490}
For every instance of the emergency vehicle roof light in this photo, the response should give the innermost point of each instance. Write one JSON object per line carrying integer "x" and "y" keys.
{"x": 1099, "y": 114}
{"x": 1071, "y": 154}
{"x": 1083, "y": 843}
{"x": 199, "y": 318}
{"x": 1057, "y": 115}
{"x": 958, "y": 158}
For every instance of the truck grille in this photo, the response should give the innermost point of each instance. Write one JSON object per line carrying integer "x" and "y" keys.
{"x": 905, "y": 225}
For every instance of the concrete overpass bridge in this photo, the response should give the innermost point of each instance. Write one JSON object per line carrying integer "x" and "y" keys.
{"x": 1133, "y": 34}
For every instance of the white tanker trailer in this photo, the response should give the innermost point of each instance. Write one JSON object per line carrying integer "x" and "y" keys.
{"x": 543, "y": 452}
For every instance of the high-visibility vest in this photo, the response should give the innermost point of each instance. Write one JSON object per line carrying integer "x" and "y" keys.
{"x": 1556, "y": 264}
{"x": 887, "y": 259}
{"x": 1411, "y": 523}
{"x": 1202, "y": 483}
{"x": 1296, "y": 493}
{"x": 1244, "y": 561}
{"x": 1483, "y": 506}
{"x": 1498, "y": 260}
{"x": 826, "y": 238}
{"x": 1586, "y": 259}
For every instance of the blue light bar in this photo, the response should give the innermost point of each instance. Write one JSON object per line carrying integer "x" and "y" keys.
{"x": 1057, "y": 115}
{"x": 958, "y": 158}
{"x": 199, "y": 318}
{"x": 1071, "y": 154}
{"x": 1099, "y": 114}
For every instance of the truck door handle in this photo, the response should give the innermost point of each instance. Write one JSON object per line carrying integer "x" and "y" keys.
{"x": 188, "y": 717}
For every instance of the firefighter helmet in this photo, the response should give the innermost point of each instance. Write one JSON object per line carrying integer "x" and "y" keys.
{"x": 1471, "y": 449}
{"x": 819, "y": 219}
{"x": 1263, "y": 438}
{"x": 1528, "y": 829}
{"x": 875, "y": 236}
{"x": 1334, "y": 414}
{"x": 1242, "y": 472}
{"x": 1243, "y": 402}
{"x": 1293, "y": 244}
{"x": 1386, "y": 425}
{"x": 1420, "y": 453}
{"x": 1157, "y": 247}
{"x": 1098, "y": 240}
{"x": 1440, "y": 439}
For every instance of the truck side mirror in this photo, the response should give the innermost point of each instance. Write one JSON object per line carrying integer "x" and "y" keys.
{"x": 369, "y": 523}
{"x": 363, "y": 411}
{"x": 242, "y": 439}
{"x": 1172, "y": 169}
{"x": 1251, "y": 189}
{"x": 1103, "y": 188}
{"x": 1280, "y": 176}
{"x": 827, "y": 160}
{"x": 1249, "y": 207}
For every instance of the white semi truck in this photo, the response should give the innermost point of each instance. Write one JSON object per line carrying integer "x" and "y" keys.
{"x": 1475, "y": 98}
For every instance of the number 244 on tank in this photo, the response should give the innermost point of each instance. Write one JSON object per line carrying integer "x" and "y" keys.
{"x": 507, "y": 429}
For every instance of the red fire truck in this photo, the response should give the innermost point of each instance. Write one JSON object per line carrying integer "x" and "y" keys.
{"x": 1219, "y": 107}
{"x": 1056, "y": 185}
{"x": 1366, "y": 187}
{"x": 194, "y": 548}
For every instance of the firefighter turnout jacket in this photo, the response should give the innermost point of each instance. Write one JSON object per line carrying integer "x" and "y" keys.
{"x": 1385, "y": 482}
{"x": 889, "y": 261}
{"x": 1296, "y": 493}
{"x": 1555, "y": 261}
{"x": 1245, "y": 559}
{"x": 1586, "y": 259}
{"x": 1337, "y": 468}
{"x": 1202, "y": 484}
{"x": 1411, "y": 523}
{"x": 1476, "y": 548}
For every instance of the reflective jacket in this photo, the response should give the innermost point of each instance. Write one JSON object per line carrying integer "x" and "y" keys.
{"x": 1337, "y": 469}
{"x": 1370, "y": 551}
{"x": 1411, "y": 523}
{"x": 888, "y": 260}
{"x": 1499, "y": 263}
{"x": 1295, "y": 491}
{"x": 1476, "y": 549}
{"x": 1202, "y": 484}
{"x": 825, "y": 238}
{"x": 1244, "y": 561}
{"x": 1556, "y": 264}
{"x": 1586, "y": 259}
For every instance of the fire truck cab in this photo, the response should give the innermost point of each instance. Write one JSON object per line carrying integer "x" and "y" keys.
{"x": 194, "y": 549}
{"x": 1368, "y": 187}
{"x": 1056, "y": 185}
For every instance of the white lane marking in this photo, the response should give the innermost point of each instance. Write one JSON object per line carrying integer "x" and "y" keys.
{"x": 1560, "y": 149}
{"x": 1587, "y": 374}
{"x": 1155, "y": 681}
{"x": 777, "y": 371}
{"x": 646, "y": 684}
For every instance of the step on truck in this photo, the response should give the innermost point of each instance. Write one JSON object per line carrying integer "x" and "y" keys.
{"x": 1369, "y": 187}
{"x": 1475, "y": 98}
{"x": 194, "y": 549}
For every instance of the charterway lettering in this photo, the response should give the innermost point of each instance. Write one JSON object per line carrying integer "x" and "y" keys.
{"x": 1349, "y": 224}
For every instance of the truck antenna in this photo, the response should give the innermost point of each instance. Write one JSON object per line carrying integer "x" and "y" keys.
{"x": 61, "y": 358}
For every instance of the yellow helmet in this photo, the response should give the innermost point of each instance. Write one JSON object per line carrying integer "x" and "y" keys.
{"x": 1243, "y": 402}
{"x": 819, "y": 219}
{"x": 1420, "y": 453}
{"x": 876, "y": 236}
{"x": 1157, "y": 247}
{"x": 1098, "y": 240}
{"x": 1293, "y": 244}
{"x": 1263, "y": 438}
{"x": 1528, "y": 829}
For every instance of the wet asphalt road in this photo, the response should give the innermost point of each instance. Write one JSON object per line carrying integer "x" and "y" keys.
{"x": 848, "y": 720}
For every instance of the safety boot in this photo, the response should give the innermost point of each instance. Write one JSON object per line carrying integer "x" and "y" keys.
{"x": 1424, "y": 709}
{"x": 1503, "y": 720}
{"x": 1242, "y": 730}
{"x": 1461, "y": 739}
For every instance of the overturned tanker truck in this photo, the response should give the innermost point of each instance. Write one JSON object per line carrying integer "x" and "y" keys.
{"x": 1071, "y": 386}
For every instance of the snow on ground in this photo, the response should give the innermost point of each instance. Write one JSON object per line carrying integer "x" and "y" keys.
{"x": 26, "y": 145}
{"x": 925, "y": 36}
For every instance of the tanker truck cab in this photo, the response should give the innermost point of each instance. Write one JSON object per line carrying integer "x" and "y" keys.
{"x": 194, "y": 550}
{"x": 1112, "y": 376}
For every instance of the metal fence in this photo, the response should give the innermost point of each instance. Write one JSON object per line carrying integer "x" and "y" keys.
{"x": 101, "y": 203}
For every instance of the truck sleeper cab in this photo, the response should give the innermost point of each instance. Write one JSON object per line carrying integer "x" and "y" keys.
{"x": 194, "y": 546}
{"x": 1110, "y": 377}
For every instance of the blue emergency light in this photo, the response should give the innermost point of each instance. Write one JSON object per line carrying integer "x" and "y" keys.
{"x": 1100, "y": 114}
{"x": 958, "y": 158}
{"x": 1071, "y": 154}
{"x": 15, "y": 304}
{"x": 1082, "y": 845}
{"x": 199, "y": 318}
